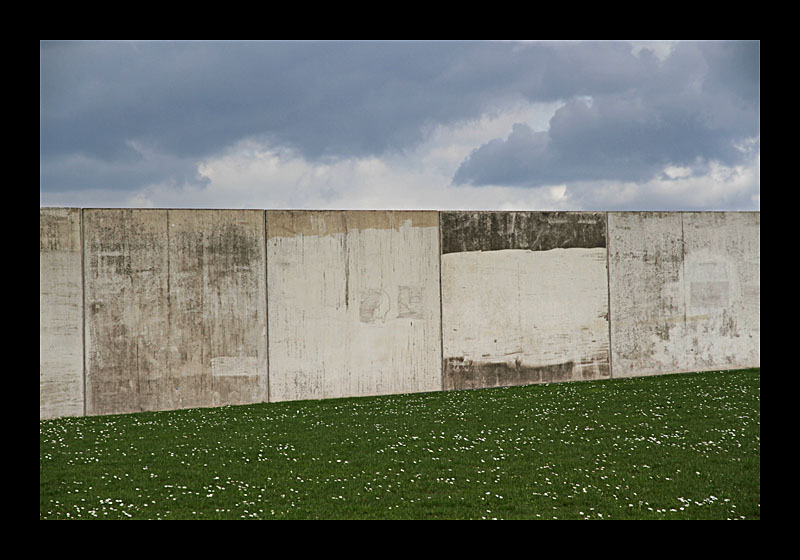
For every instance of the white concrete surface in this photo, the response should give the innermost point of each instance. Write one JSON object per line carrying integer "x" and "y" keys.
{"x": 353, "y": 303}
{"x": 60, "y": 313}
{"x": 527, "y": 309}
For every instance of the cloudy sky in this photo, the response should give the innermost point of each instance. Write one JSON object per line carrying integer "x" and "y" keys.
{"x": 495, "y": 125}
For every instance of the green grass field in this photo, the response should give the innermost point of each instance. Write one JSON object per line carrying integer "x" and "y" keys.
{"x": 684, "y": 446}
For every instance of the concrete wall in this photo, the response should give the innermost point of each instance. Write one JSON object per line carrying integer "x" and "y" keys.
{"x": 162, "y": 309}
{"x": 60, "y": 313}
{"x": 524, "y": 298}
{"x": 354, "y": 303}
{"x": 175, "y": 309}
{"x": 684, "y": 291}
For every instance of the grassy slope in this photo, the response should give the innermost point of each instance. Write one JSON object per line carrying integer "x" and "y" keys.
{"x": 666, "y": 447}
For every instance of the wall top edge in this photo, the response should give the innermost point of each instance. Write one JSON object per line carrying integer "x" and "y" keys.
{"x": 404, "y": 210}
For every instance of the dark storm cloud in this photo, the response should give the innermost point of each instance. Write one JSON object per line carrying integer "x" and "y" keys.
{"x": 699, "y": 106}
{"x": 120, "y": 114}
{"x": 190, "y": 100}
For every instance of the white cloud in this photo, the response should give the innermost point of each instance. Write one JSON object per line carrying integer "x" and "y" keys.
{"x": 678, "y": 188}
{"x": 255, "y": 174}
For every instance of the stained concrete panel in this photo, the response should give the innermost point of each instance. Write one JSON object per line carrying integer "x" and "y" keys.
{"x": 60, "y": 313}
{"x": 353, "y": 303}
{"x": 175, "y": 309}
{"x": 524, "y": 298}
{"x": 684, "y": 291}
{"x": 722, "y": 282}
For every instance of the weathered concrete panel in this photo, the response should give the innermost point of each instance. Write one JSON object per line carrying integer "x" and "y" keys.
{"x": 353, "y": 303}
{"x": 533, "y": 231}
{"x": 60, "y": 313}
{"x": 722, "y": 279}
{"x": 173, "y": 303}
{"x": 524, "y": 298}
{"x": 175, "y": 309}
{"x": 684, "y": 291}
{"x": 646, "y": 290}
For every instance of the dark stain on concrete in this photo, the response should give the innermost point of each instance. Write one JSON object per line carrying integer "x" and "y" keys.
{"x": 59, "y": 229}
{"x": 229, "y": 248}
{"x": 462, "y": 373}
{"x": 156, "y": 282}
{"x": 535, "y": 231}
{"x": 293, "y": 223}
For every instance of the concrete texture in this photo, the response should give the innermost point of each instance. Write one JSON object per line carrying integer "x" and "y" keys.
{"x": 156, "y": 309}
{"x": 353, "y": 303}
{"x": 524, "y": 298}
{"x": 684, "y": 291}
{"x": 60, "y": 313}
{"x": 175, "y": 309}
{"x": 533, "y": 231}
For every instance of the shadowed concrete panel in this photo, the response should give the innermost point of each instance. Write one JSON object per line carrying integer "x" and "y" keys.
{"x": 353, "y": 303}
{"x": 534, "y": 231}
{"x": 175, "y": 309}
{"x": 524, "y": 298}
{"x": 60, "y": 313}
{"x": 685, "y": 291}
{"x": 646, "y": 290}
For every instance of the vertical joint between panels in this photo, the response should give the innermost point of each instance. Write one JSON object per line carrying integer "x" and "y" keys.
{"x": 266, "y": 301}
{"x": 608, "y": 288}
{"x": 441, "y": 306}
{"x": 83, "y": 307}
